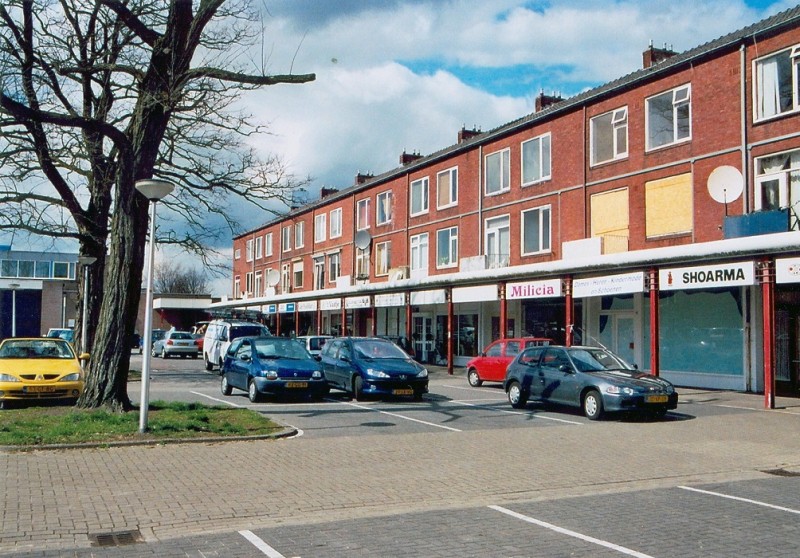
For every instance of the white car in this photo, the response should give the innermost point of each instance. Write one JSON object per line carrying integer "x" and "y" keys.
{"x": 220, "y": 333}
{"x": 175, "y": 343}
{"x": 314, "y": 343}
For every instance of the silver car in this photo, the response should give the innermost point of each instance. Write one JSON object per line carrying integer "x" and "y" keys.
{"x": 175, "y": 343}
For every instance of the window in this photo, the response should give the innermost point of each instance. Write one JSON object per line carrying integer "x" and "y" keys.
{"x": 383, "y": 208}
{"x": 299, "y": 232}
{"x": 237, "y": 287}
{"x": 610, "y": 219}
{"x": 319, "y": 272}
{"x": 536, "y": 159}
{"x": 26, "y": 268}
{"x": 259, "y": 247}
{"x": 668, "y": 206}
{"x": 498, "y": 170}
{"x": 61, "y": 270}
{"x": 362, "y": 264}
{"x": 447, "y": 188}
{"x": 777, "y": 83}
{"x": 419, "y": 196}
{"x": 286, "y": 278}
{"x": 419, "y": 252}
{"x": 669, "y": 117}
{"x": 362, "y": 214}
{"x": 237, "y": 254}
{"x": 257, "y": 286}
{"x": 297, "y": 275}
{"x": 286, "y": 239}
{"x": 382, "y": 259}
{"x": 536, "y": 230}
{"x": 498, "y": 242}
{"x": 249, "y": 251}
{"x": 249, "y": 283}
{"x": 609, "y": 136}
{"x": 268, "y": 243}
{"x": 320, "y": 227}
{"x": 43, "y": 270}
{"x": 336, "y": 223}
{"x": 778, "y": 184}
{"x": 333, "y": 267}
{"x": 447, "y": 247}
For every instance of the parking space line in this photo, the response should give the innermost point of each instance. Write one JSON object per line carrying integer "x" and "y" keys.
{"x": 398, "y": 416}
{"x": 740, "y": 499}
{"x": 257, "y": 542}
{"x": 516, "y": 412}
{"x": 216, "y": 399}
{"x": 569, "y": 533}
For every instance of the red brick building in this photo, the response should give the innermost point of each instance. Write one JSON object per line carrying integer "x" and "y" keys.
{"x": 654, "y": 214}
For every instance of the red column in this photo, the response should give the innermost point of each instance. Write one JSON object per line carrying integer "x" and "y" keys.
{"x": 373, "y": 314}
{"x": 319, "y": 318}
{"x": 296, "y": 320}
{"x": 408, "y": 323}
{"x": 450, "y": 313}
{"x": 654, "y": 329}
{"x": 277, "y": 322}
{"x": 501, "y": 287}
{"x": 343, "y": 327}
{"x": 568, "y": 318}
{"x": 768, "y": 311}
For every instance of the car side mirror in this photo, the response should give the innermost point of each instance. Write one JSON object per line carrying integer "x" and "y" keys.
{"x": 84, "y": 356}
{"x": 565, "y": 368}
{"x": 344, "y": 358}
{"x": 245, "y": 358}
{"x": 317, "y": 357}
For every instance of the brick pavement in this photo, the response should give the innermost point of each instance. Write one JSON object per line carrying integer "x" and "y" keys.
{"x": 56, "y": 499}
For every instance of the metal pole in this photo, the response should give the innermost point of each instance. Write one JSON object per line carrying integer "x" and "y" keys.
{"x": 148, "y": 327}
{"x": 85, "y": 309}
{"x": 13, "y": 310}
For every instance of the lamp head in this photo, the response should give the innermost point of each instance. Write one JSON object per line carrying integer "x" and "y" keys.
{"x": 86, "y": 260}
{"x": 154, "y": 190}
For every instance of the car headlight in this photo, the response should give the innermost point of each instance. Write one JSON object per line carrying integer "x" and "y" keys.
{"x": 8, "y": 378}
{"x": 376, "y": 373}
{"x": 271, "y": 374}
{"x": 423, "y": 373}
{"x": 316, "y": 374}
{"x": 71, "y": 377}
{"x": 616, "y": 390}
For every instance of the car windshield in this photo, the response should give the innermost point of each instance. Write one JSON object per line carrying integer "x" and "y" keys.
{"x": 274, "y": 348}
{"x": 181, "y": 335}
{"x": 593, "y": 360}
{"x": 36, "y": 348}
{"x": 375, "y": 349}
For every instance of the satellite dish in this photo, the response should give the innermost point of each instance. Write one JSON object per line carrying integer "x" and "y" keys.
{"x": 363, "y": 240}
{"x": 273, "y": 277}
{"x": 725, "y": 184}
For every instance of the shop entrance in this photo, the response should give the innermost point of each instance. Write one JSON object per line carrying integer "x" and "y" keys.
{"x": 422, "y": 334}
{"x": 787, "y": 344}
{"x": 618, "y": 333}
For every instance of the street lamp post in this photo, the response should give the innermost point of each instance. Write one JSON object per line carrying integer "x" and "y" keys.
{"x": 14, "y": 287}
{"x": 153, "y": 190}
{"x": 85, "y": 261}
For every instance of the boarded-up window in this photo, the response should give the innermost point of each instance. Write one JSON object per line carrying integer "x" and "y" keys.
{"x": 610, "y": 219}
{"x": 668, "y": 205}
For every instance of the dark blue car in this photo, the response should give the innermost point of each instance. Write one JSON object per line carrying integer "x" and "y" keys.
{"x": 365, "y": 366}
{"x": 271, "y": 365}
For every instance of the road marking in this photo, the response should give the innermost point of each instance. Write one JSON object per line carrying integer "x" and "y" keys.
{"x": 399, "y": 416}
{"x": 574, "y": 534}
{"x": 216, "y": 399}
{"x": 261, "y": 545}
{"x": 515, "y": 412}
{"x": 747, "y": 500}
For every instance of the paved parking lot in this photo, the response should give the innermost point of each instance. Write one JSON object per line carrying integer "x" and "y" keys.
{"x": 459, "y": 474}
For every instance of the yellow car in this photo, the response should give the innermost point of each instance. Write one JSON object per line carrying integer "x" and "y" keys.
{"x": 34, "y": 369}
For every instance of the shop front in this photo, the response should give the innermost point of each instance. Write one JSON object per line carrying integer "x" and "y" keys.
{"x": 787, "y": 327}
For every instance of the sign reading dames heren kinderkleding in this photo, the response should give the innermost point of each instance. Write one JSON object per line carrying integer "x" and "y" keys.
{"x": 740, "y": 274}
{"x": 624, "y": 283}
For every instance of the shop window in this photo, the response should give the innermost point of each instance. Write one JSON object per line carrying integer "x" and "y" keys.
{"x": 610, "y": 219}
{"x": 777, "y": 84}
{"x": 447, "y": 247}
{"x": 668, "y": 206}
{"x": 536, "y": 160}
{"x": 609, "y": 136}
{"x": 498, "y": 172}
{"x": 419, "y": 196}
{"x": 447, "y": 188}
{"x": 536, "y": 230}
{"x": 669, "y": 117}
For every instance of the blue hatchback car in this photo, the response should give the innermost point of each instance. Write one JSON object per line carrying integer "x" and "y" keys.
{"x": 367, "y": 366}
{"x": 271, "y": 365}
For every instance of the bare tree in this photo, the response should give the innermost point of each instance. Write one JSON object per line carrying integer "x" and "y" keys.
{"x": 97, "y": 94}
{"x": 173, "y": 278}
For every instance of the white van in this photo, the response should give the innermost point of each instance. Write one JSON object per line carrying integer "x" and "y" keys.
{"x": 220, "y": 333}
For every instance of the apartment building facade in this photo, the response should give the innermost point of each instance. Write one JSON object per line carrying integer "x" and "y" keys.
{"x": 655, "y": 214}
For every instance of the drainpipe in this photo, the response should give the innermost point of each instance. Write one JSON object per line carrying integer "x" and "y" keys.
{"x": 743, "y": 118}
{"x": 768, "y": 315}
{"x": 450, "y": 321}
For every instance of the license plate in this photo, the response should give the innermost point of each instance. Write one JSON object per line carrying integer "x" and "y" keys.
{"x": 40, "y": 389}
{"x": 402, "y": 392}
{"x": 657, "y": 398}
{"x": 296, "y": 384}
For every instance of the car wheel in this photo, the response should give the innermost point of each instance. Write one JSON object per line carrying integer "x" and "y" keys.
{"x": 473, "y": 378}
{"x": 153, "y": 352}
{"x": 164, "y": 353}
{"x": 516, "y": 397}
{"x": 358, "y": 388}
{"x": 252, "y": 392}
{"x": 593, "y": 405}
{"x": 209, "y": 366}
{"x": 224, "y": 386}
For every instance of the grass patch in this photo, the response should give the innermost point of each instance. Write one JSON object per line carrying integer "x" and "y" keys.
{"x": 34, "y": 426}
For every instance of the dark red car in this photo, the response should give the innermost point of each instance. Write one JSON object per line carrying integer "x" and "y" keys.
{"x": 491, "y": 364}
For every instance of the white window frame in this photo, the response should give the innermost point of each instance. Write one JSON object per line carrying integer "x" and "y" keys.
{"x": 494, "y": 227}
{"x": 319, "y": 273}
{"x": 297, "y": 275}
{"x": 299, "y": 234}
{"x": 767, "y": 104}
{"x": 259, "y": 247}
{"x": 543, "y": 158}
{"x": 257, "y": 284}
{"x": 541, "y": 210}
{"x": 248, "y": 250}
{"x": 383, "y": 208}
{"x": 452, "y": 187}
{"x": 382, "y": 258}
{"x": 452, "y": 248}
{"x": 419, "y": 252}
{"x": 336, "y": 223}
{"x": 362, "y": 214}
{"x": 617, "y": 123}
{"x": 334, "y": 266}
{"x": 504, "y": 178}
{"x": 320, "y": 227}
{"x": 237, "y": 254}
{"x": 268, "y": 244}
{"x": 286, "y": 278}
{"x": 248, "y": 283}
{"x": 286, "y": 238}
{"x": 237, "y": 287}
{"x": 788, "y": 192}
{"x": 681, "y": 96}
{"x": 419, "y": 192}
{"x": 362, "y": 263}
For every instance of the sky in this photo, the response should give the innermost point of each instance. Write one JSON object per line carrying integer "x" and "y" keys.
{"x": 406, "y": 75}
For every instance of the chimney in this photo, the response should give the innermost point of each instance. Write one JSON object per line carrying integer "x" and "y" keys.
{"x": 361, "y": 178}
{"x": 325, "y": 192}
{"x": 406, "y": 158}
{"x": 464, "y": 134}
{"x": 543, "y": 101}
{"x": 653, "y": 56}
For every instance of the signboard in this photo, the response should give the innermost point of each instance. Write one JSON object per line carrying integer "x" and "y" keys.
{"x": 330, "y": 304}
{"x": 707, "y": 276}
{"x": 480, "y": 293}
{"x": 393, "y": 299}
{"x": 272, "y": 308}
{"x": 357, "y": 302}
{"x": 534, "y": 289}
{"x": 421, "y": 298}
{"x": 787, "y": 270}
{"x": 286, "y": 307}
{"x": 307, "y": 306}
{"x": 608, "y": 285}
